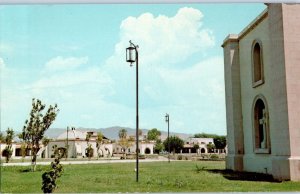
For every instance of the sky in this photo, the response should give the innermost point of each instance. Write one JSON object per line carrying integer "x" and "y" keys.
{"x": 74, "y": 55}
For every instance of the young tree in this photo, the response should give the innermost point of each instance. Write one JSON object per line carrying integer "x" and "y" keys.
{"x": 176, "y": 144}
{"x": 196, "y": 147}
{"x": 23, "y": 146}
{"x": 153, "y": 134}
{"x": 89, "y": 150}
{"x": 99, "y": 142}
{"x": 49, "y": 178}
{"x": 8, "y": 141}
{"x": 210, "y": 147}
{"x": 35, "y": 127}
{"x": 158, "y": 147}
{"x": 23, "y": 151}
{"x": 124, "y": 142}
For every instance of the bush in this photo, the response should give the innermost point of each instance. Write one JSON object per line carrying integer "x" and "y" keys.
{"x": 214, "y": 156}
{"x": 179, "y": 157}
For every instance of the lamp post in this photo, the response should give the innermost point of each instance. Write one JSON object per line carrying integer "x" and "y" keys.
{"x": 131, "y": 57}
{"x": 73, "y": 130}
{"x": 168, "y": 121}
{"x": 67, "y": 147}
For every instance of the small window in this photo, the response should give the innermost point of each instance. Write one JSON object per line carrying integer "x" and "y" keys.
{"x": 257, "y": 64}
{"x": 261, "y": 130}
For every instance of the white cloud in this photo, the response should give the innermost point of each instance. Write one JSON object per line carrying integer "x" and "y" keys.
{"x": 64, "y": 78}
{"x": 165, "y": 40}
{"x": 168, "y": 83}
{"x": 2, "y": 64}
{"x": 101, "y": 96}
{"x": 60, "y": 64}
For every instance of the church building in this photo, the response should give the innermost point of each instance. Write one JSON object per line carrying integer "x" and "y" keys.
{"x": 262, "y": 83}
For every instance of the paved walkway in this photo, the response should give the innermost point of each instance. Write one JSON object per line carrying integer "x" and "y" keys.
{"x": 87, "y": 162}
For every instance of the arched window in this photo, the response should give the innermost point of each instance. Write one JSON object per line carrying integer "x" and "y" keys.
{"x": 257, "y": 64}
{"x": 147, "y": 151}
{"x": 202, "y": 150}
{"x": 261, "y": 127}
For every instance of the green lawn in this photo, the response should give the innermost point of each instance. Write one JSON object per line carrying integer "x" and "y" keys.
{"x": 180, "y": 176}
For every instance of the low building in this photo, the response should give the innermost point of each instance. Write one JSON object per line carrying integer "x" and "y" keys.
{"x": 77, "y": 145}
{"x": 191, "y": 142}
{"x": 145, "y": 147}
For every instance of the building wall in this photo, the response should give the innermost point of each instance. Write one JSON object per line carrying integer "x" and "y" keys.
{"x": 253, "y": 161}
{"x": 235, "y": 134}
{"x": 279, "y": 33}
{"x": 132, "y": 148}
{"x": 77, "y": 148}
{"x": 291, "y": 32}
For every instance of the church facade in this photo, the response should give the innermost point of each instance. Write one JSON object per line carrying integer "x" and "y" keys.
{"x": 262, "y": 83}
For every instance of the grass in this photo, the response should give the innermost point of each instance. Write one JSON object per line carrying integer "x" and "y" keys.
{"x": 181, "y": 176}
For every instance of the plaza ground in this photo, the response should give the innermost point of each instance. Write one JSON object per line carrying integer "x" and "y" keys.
{"x": 160, "y": 176}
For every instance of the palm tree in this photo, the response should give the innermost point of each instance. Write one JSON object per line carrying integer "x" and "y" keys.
{"x": 99, "y": 142}
{"x": 89, "y": 149}
{"x": 123, "y": 134}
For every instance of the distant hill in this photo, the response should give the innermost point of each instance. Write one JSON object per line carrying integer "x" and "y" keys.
{"x": 112, "y": 132}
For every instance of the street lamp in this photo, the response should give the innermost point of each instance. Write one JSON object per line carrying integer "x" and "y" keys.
{"x": 73, "y": 130}
{"x": 168, "y": 121}
{"x": 67, "y": 149}
{"x": 131, "y": 57}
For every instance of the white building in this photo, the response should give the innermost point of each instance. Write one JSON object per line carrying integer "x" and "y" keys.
{"x": 262, "y": 86}
{"x": 76, "y": 141}
{"x": 190, "y": 142}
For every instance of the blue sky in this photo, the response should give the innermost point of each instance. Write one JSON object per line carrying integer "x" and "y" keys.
{"x": 74, "y": 55}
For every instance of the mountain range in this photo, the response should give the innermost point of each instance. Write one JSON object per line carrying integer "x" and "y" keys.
{"x": 112, "y": 132}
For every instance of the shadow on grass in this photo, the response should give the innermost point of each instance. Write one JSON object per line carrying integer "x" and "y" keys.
{"x": 243, "y": 176}
{"x": 26, "y": 170}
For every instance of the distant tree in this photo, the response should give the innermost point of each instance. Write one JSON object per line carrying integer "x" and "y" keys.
{"x": 8, "y": 141}
{"x": 1, "y": 137}
{"x": 45, "y": 142}
{"x": 196, "y": 147}
{"x": 89, "y": 150}
{"x": 122, "y": 133}
{"x": 125, "y": 142}
{"x": 176, "y": 144}
{"x": 220, "y": 142}
{"x": 35, "y": 127}
{"x": 140, "y": 132}
{"x": 99, "y": 142}
{"x": 23, "y": 146}
{"x": 158, "y": 147}
{"x": 23, "y": 150}
{"x": 210, "y": 146}
{"x": 153, "y": 134}
{"x": 205, "y": 135}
